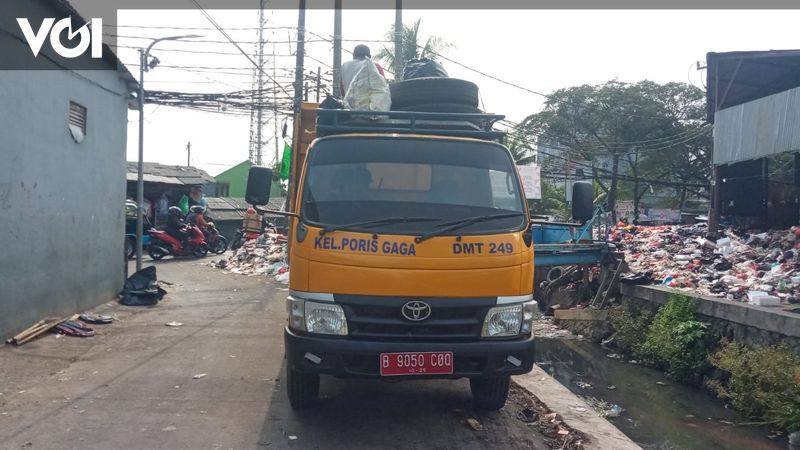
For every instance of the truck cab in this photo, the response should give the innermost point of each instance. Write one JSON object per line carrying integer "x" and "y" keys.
{"x": 410, "y": 255}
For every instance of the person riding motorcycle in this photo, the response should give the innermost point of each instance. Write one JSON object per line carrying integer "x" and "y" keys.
{"x": 200, "y": 217}
{"x": 176, "y": 227}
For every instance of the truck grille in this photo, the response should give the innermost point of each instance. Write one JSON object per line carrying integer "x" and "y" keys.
{"x": 380, "y": 318}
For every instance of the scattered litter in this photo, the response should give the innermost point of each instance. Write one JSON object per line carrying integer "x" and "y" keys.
{"x": 611, "y": 388}
{"x": 578, "y": 408}
{"x": 142, "y": 289}
{"x": 602, "y": 407}
{"x": 661, "y": 383}
{"x": 292, "y": 438}
{"x": 474, "y": 424}
{"x": 169, "y": 428}
{"x": 614, "y": 356}
{"x": 37, "y": 329}
{"x": 173, "y": 324}
{"x": 614, "y": 411}
{"x": 96, "y": 319}
{"x": 73, "y": 328}
{"x": 562, "y": 430}
{"x": 265, "y": 255}
{"x": 199, "y": 375}
{"x": 761, "y": 269}
{"x": 584, "y": 385}
{"x": 528, "y": 415}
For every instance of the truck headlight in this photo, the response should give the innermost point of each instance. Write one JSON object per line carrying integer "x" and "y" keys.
{"x": 502, "y": 321}
{"x": 315, "y": 317}
{"x": 510, "y": 320}
{"x": 325, "y": 318}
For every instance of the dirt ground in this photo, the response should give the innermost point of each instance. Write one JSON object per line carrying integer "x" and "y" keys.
{"x": 216, "y": 382}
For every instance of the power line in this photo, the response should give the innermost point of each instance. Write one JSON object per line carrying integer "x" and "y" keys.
{"x": 227, "y": 36}
{"x": 153, "y": 27}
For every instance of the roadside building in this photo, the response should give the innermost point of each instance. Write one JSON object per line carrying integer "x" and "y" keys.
{"x": 233, "y": 182}
{"x": 164, "y": 185}
{"x": 63, "y": 156}
{"x": 753, "y": 99}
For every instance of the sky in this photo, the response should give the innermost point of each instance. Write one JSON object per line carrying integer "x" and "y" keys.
{"x": 538, "y": 50}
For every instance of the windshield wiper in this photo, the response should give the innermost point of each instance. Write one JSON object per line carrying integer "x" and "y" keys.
{"x": 369, "y": 223}
{"x": 455, "y": 225}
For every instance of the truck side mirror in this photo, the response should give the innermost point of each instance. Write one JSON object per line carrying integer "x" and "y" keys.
{"x": 582, "y": 201}
{"x": 259, "y": 182}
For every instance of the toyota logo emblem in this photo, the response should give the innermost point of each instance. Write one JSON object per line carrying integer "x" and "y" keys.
{"x": 416, "y": 311}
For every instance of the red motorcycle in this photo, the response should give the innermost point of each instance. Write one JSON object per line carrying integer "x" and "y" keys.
{"x": 162, "y": 244}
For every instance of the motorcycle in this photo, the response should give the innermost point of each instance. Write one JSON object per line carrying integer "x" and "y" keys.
{"x": 162, "y": 244}
{"x": 217, "y": 243}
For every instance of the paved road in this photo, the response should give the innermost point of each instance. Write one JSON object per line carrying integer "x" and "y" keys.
{"x": 133, "y": 387}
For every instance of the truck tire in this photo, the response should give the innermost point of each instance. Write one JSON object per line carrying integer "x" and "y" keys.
{"x": 490, "y": 393}
{"x": 302, "y": 388}
{"x": 420, "y": 91}
{"x": 440, "y": 107}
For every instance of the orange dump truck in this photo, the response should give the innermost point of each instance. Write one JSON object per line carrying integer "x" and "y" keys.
{"x": 410, "y": 252}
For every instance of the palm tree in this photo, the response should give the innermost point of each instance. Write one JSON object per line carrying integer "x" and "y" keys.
{"x": 412, "y": 49}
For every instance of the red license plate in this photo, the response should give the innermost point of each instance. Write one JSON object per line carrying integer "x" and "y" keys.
{"x": 416, "y": 363}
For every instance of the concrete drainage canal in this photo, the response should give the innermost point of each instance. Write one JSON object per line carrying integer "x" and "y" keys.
{"x": 653, "y": 410}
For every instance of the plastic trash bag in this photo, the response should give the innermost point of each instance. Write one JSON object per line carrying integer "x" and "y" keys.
{"x": 423, "y": 68}
{"x": 141, "y": 289}
{"x": 368, "y": 91}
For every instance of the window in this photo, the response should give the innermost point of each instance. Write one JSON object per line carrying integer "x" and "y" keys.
{"x": 223, "y": 189}
{"x": 359, "y": 179}
{"x": 77, "y": 121}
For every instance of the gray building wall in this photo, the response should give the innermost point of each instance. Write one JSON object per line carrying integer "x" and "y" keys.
{"x": 763, "y": 127}
{"x": 61, "y": 203}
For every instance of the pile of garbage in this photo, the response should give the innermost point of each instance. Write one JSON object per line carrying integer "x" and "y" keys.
{"x": 265, "y": 255}
{"x": 761, "y": 269}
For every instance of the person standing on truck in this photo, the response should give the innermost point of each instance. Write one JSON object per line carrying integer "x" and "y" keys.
{"x": 350, "y": 69}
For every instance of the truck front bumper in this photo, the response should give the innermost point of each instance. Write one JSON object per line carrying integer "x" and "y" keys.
{"x": 348, "y": 358}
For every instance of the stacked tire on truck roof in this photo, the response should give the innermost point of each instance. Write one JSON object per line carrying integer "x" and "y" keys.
{"x": 435, "y": 94}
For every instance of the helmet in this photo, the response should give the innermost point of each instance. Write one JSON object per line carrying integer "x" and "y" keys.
{"x": 174, "y": 211}
{"x": 197, "y": 209}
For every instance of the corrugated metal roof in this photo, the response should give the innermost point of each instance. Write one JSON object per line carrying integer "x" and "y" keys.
{"x": 733, "y": 78}
{"x": 758, "y": 128}
{"x": 185, "y": 175}
{"x": 231, "y": 208}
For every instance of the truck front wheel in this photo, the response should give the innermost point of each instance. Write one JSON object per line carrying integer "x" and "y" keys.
{"x": 303, "y": 388}
{"x": 490, "y": 393}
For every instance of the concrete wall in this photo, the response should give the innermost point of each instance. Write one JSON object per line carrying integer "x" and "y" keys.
{"x": 61, "y": 203}
{"x": 739, "y": 322}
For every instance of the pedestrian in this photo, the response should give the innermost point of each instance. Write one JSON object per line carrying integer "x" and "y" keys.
{"x": 350, "y": 69}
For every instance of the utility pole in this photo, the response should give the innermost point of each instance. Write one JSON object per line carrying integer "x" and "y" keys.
{"x": 257, "y": 121}
{"x": 398, "y": 40}
{"x": 188, "y": 154}
{"x": 337, "y": 48}
{"x": 319, "y": 81}
{"x": 300, "y": 53}
{"x": 275, "y": 103}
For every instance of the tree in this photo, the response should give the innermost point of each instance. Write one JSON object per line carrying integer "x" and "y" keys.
{"x": 657, "y": 131}
{"x": 410, "y": 43}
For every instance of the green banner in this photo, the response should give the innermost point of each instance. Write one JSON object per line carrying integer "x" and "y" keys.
{"x": 286, "y": 161}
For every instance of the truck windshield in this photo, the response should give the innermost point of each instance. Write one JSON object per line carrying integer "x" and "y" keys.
{"x": 350, "y": 180}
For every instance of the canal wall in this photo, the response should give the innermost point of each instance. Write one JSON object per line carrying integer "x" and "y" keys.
{"x": 739, "y": 322}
